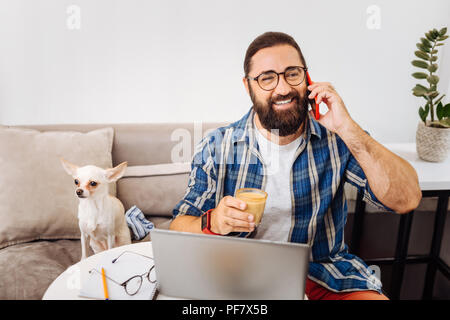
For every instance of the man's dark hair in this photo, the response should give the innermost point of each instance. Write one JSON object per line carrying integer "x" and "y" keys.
{"x": 266, "y": 40}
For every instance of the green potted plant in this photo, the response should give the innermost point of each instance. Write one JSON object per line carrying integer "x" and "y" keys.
{"x": 432, "y": 136}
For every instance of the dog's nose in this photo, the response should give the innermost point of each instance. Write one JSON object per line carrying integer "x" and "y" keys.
{"x": 79, "y": 192}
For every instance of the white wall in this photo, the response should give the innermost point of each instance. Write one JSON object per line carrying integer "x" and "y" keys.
{"x": 178, "y": 61}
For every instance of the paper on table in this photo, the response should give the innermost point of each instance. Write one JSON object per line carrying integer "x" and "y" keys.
{"x": 127, "y": 266}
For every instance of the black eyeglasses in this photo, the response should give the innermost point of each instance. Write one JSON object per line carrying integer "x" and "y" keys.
{"x": 133, "y": 284}
{"x": 269, "y": 80}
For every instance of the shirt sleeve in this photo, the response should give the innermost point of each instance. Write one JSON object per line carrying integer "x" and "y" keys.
{"x": 356, "y": 177}
{"x": 201, "y": 190}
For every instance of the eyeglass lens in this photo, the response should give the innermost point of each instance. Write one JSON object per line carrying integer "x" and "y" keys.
{"x": 151, "y": 275}
{"x": 133, "y": 285}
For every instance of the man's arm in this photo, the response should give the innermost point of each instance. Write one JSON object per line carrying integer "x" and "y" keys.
{"x": 392, "y": 179}
{"x": 228, "y": 216}
{"x": 200, "y": 193}
{"x": 187, "y": 223}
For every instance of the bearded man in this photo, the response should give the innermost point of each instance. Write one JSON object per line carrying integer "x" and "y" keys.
{"x": 302, "y": 163}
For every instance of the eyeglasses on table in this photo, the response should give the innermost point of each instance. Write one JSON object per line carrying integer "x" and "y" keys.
{"x": 133, "y": 284}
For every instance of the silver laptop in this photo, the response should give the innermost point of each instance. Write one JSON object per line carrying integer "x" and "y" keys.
{"x": 197, "y": 266}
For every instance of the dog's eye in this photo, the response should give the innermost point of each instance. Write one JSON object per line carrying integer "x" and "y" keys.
{"x": 76, "y": 181}
{"x": 93, "y": 183}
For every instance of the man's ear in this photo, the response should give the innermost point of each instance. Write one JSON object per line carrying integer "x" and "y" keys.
{"x": 69, "y": 167}
{"x": 245, "y": 81}
{"x": 116, "y": 173}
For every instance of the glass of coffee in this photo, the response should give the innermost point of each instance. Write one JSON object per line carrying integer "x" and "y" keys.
{"x": 256, "y": 201}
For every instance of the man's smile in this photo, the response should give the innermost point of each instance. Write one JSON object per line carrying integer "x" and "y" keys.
{"x": 284, "y": 104}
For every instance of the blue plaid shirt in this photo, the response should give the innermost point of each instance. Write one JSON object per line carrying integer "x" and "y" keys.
{"x": 228, "y": 159}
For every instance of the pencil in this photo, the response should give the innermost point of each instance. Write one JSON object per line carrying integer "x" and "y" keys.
{"x": 105, "y": 287}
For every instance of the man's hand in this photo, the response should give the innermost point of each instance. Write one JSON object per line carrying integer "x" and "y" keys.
{"x": 230, "y": 217}
{"x": 392, "y": 179}
{"x": 337, "y": 118}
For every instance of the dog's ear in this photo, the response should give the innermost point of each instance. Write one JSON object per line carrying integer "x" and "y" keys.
{"x": 116, "y": 173}
{"x": 69, "y": 167}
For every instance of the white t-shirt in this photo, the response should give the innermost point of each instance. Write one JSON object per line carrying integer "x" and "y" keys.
{"x": 277, "y": 219}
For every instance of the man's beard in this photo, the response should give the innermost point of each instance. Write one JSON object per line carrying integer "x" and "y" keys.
{"x": 288, "y": 121}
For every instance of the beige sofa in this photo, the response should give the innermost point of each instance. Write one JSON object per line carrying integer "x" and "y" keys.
{"x": 30, "y": 262}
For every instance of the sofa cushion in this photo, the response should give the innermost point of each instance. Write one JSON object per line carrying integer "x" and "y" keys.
{"x": 36, "y": 265}
{"x": 155, "y": 189}
{"x": 37, "y": 198}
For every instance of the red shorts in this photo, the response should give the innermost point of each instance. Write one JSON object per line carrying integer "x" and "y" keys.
{"x": 315, "y": 291}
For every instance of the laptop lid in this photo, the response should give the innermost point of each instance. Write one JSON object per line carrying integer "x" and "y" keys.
{"x": 198, "y": 266}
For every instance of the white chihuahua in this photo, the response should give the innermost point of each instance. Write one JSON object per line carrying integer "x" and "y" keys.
{"x": 100, "y": 215}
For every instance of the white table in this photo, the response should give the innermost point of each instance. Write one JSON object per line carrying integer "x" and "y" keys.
{"x": 432, "y": 175}
{"x": 68, "y": 283}
{"x": 434, "y": 181}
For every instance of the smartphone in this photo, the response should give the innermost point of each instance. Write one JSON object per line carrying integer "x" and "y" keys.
{"x": 314, "y": 104}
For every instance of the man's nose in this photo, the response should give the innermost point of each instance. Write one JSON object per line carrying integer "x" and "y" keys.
{"x": 79, "y": 192}
{"x": 283, "y": 88}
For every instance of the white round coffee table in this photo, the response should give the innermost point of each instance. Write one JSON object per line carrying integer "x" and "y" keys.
{"x": 68, "y": 283}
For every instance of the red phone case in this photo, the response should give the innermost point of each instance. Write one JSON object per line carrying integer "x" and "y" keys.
{"x": 316, "y": 109}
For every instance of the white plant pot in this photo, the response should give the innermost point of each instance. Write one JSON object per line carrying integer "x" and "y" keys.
{"x": 432, "y": 144}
